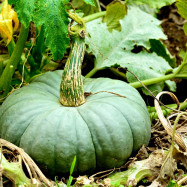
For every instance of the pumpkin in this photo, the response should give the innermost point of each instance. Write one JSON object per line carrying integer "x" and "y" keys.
{"x": 53, "y": 123}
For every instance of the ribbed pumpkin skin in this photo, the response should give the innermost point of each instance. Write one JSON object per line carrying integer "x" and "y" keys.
{"x": 102, "y": 133}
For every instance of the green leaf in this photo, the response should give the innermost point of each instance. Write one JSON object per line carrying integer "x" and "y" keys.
{"x": 87, "y": 9}
{"x": 182, "y": 53}
{"x": 24, "y": 9}
{"x": 171, "y": 85}
{"x": 114, "y": 12}
{"x": 115, "y": 48}
{"x": 185, "y": 28}
{"x": 145, "y": 66}
{"x": 1, "y": 68}
{"x": 51, "y": 14}
{"x": 1, "y": 6}
{"x": 65, "y": 2}
{"x": 69, "y": 181}
{"x": 138, "y": 28}
{"x": 160, "y": 49}
{"x": 153, "y": 4}
{"x": 182, "y": 70}
{"x": 182, "y": 7}
{"x": 73, "y": 165}
{"x": 56, "y": 182}
{"x": 149, "y": 10}
{"x": 90, "y": 2}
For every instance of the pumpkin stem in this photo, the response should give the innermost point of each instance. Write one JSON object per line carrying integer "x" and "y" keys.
{"x": 72, "y": 89}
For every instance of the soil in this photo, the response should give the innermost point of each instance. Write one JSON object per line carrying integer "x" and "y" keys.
{"x": 172, "y": 24}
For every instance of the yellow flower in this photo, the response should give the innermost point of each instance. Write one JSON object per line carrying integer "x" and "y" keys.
{"x": 7, "y": 17}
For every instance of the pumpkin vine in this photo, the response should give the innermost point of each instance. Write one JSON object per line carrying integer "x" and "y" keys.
{"x": 71, "y": 89}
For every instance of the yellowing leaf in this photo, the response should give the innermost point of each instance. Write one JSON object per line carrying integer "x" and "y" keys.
{"x": 114, "y": 12}
{"x": 185, "y": 28}
{"x": 6, "y": 17}
{"x": 84, "y": 7}
{"x": 182, "y": 6}
{"x": 152, "y": 3}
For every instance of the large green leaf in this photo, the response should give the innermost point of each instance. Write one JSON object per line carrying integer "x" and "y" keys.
{"x": 145, "y": 66}
{"x": 153, "y": 3}
{"x": 138, "y": 28}
{"x": 115, "y": 48}
{"x": 51, "y": 14}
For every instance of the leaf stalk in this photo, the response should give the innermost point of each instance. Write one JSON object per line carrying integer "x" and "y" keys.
{"x": 153, "y": 81}
{"x": 94, "y": 16}
{"x": 11, "y": 47}
{"x": 14, "y": 172}
{"x": 153, "y": 114}
{"x": 6, "y": 77}
{"x": 91, "y": 73}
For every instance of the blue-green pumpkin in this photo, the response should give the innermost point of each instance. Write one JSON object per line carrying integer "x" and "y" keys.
{"x": 53, "y": 123}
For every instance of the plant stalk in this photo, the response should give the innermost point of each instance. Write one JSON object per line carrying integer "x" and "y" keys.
{"x": 72, "y": 89}
{"x": 153, "y": 114}
{"x": 94, "y": 16}
{"x": 91, "y": 73}
{"x": 13, "y": 171}
{"x": 118, "y": 73}
{"x": 152, "y": 81}
{"x": 138, "y": 171}
{"x": 39, "y": 49}
{"x": 145, "y": 82}
{"x": 97, "y": 5}
{"x": 172, "y": 106}
{"x": 3, "y": 60}
{"x": 11, "y": 47}
{"x": 181, "y": 67}
{"x": 6, "y": 77}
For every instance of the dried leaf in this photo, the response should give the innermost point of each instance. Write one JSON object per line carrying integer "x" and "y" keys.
{"x": 166, "y": 123}
{"x": 84, "y": 180}
{"x": 180, "y": 156}
{"x": 155, "y": 183}
{"x": 169, "y": 166}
